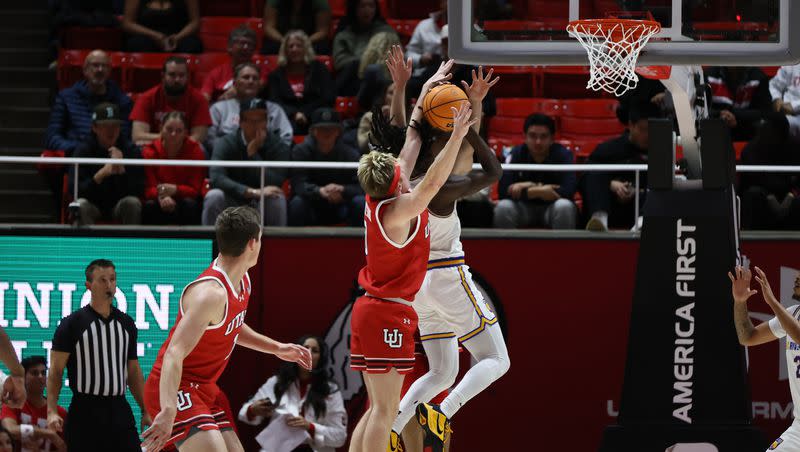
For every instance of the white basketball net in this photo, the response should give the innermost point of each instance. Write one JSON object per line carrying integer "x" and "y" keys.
{"x": 613, "y": 48}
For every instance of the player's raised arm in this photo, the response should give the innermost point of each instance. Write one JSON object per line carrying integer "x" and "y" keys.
{"x": 748, "y": 334}
{"x": 400, "y": 70}
{"x": 409, "y": 205}
{"x": 288, "y": 352}
{"x": 203, "y": 305}
{"x": 410, "y": 151}
{"x": 787, "y": 320}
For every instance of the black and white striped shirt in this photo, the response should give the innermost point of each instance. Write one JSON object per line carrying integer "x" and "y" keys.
{"x": 99, "y": 350}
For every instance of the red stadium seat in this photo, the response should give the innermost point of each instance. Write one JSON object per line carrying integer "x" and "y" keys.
{"x": 581, "y": 148}
{"x": 404, "y": 28}
{"x": 144, "y": 69}
{"x": 214, "y": 31}
{"x": 338, "y": 7}
{"x": 517, "y": 81}
{"x": 522, "y": 107}
{"x": 593, "y": 128}
{"x": 557, "y": 9}
{"x": 225, "y": 8}
{"x": 738, "y": 147}
{"x": 267, "y": 63}
{"x": 567, "y": 82}
{"x": 497, "y": 143}
{"x": 200, "y": 65}
{"x": 70, "y": 67}
{"x": 105, "y": 38}
{"x": 297, "y": 139}
{"x": 505, "y": 126}
{"x": 410, "y": 9}
{"x": 347, "y": 107}
{"x": 590, "y": 108}
{"x": 327, "y": 61}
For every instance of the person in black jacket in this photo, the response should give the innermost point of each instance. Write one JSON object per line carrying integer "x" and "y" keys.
{"x": 740, "y": 97}
{"x": 110, "y": 191}
{"x": 325, "y": 196}
{"x": 301, "y": 84}
{"x": 608, "y": 198}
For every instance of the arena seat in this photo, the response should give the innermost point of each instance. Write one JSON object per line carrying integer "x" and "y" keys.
{"x": 581, "y": 148}
{"x": 567, "y": 82}
{"x": 410, "y": 9}
{"x": 347, "y": 107}
{"x": 225, "y": 8}
{"x": 267, "y": 63}
{"x": 597, "y": 128}
{"x": 327, "y": 60}
{"x": 517, "y": 81}
{"x": 214, "y": 31}
{"x": 105, "y": 38}
{"x": 590, "y": 108}
{"x": 558, "y": 9}
{"x": 404, "y": 28}
{"x": 200, "y": 65}
{"x": 522, "y": 107}
{"x": 70, "y": 67}
{"x": 502, "y": 125}
{"x": 338, "y": 7}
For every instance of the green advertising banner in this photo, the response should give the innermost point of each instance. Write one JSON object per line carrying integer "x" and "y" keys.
{"x": 42, "y": 280}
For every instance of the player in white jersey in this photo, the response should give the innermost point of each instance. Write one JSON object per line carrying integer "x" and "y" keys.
{"x": 450, "y": 308}
{"x": 785, "y": 323}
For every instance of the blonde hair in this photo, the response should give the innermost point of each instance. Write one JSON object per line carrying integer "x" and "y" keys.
{"x": 376, "y": 50}
{"x": 375, "y": 173}
{"x": 300, "y": 34}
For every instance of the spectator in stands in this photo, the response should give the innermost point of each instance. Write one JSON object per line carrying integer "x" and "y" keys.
{"x": 162, "y": 26}
{"x": 425, "y": 46}
{"x": 239, "y": 186}
{"x": 740, "y": 96}
{"x": 372, "y": 70}
{"x": 384, "y": 101}
{"x": 608, "y": 198}
{"x": 362, "y": 22}
{"x": 301, "y": 84}
{"x": 537, "y": 198}
{"x": 172, "y": 193}
{"x": 6, "y": 443}
{"x": 70, "y": 117}
{"x": 325, "y": 196}
{"x": 770, "y": 200}
{"x": 225, "y": 113}
{"x": 28, "y": 425}
{"x": 311, "y": 393}
{"x": 310, "y": 16}
{"x": 110, "y": 191}
{"x": 785, "y": 91}
{"x": 218, "y": 84}
{"x": 173, "y": 94}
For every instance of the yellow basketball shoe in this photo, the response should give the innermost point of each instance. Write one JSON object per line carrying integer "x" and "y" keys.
{"x": 394, "y": 442}
{"x": 434, "y": 423}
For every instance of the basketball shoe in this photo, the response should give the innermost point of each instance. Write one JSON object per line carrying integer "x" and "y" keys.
{"x": 394, "y": 442}
{"x": 435, "y": 425}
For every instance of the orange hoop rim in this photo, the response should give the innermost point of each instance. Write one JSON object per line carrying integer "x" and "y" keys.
{"x": 607, "y": 26}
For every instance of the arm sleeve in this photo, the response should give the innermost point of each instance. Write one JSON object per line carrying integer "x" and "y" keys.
{"x": 326, "y": 97}
{"x": 55, "y": 138}
{"x": 9, "y": 413}
{"x": 62, "y": 338}
{"x": 216, "y": 123}
{"x": 331, "y": 431}
{"x": 142, "y": 109}
{"x": 779, "y": 83}
{"x": 266, "y": 391}
{"x": 150, "y": 176}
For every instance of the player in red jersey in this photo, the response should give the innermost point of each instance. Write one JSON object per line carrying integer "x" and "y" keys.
{"x": 397, "y": 246}
{"x": 181, "y": 390}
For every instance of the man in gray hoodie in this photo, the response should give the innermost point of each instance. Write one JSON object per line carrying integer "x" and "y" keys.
{"x": 240, "y": 186}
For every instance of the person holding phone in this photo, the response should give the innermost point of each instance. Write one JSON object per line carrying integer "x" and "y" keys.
{"x": 312, "y": 400}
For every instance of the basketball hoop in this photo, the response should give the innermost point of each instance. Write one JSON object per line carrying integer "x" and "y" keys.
{"x": 613, "y": 46}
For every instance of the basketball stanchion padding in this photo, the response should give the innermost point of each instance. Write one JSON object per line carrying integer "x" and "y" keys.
{"x": 439, "y": 102}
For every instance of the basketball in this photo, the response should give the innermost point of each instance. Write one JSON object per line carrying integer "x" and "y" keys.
{"x": 438, "y": 103}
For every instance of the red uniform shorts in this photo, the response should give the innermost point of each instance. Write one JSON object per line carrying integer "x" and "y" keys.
{"x": 198, "y": 409}
{"x": 382, "y": 336}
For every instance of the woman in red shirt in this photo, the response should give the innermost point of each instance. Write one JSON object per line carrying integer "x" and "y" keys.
{"x": 172, "y": 193}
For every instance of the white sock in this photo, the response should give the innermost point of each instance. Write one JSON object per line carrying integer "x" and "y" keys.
{"x": 489, "y": 349}
{"x": 443, "y": 363}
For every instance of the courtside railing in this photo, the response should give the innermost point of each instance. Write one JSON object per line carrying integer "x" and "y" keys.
{"x": 263, "y": 166}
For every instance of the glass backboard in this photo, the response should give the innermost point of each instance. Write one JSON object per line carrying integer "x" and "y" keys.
{"x": 694, "y": 32}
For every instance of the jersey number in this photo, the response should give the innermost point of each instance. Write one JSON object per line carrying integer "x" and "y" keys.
{"x": 184, "y": 401}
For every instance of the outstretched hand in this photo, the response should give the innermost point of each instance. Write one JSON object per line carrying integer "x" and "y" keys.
{"x": 766, "y": 289}
{"x": 480, "y": 85}
{"x": 442, "y": 75}
{"x": 295, "y": 353}
{"x": 399, "y": 67}
{"x": 462, "y": 121}
{"x": 741, "y": 284}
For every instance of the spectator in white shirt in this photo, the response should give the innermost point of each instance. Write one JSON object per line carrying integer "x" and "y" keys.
{"x": 785, "y": 91}
{"x": 312, "y": 401}
{"x": 425, "y": 46}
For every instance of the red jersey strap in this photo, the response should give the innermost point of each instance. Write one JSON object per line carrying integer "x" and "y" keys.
{"x": 205, "y": 278}
{"x": 383, "y": 232}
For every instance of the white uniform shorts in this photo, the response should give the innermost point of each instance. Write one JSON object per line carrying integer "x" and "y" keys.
{"x": 789, "y": 441}
{"x": 449, "y": 305}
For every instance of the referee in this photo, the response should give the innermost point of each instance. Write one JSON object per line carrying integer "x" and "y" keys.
{"x": 97, "y": 345}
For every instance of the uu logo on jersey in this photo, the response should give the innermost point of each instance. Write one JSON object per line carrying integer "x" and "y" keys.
{"x": 393, "y": 339}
